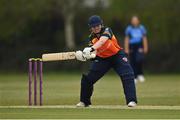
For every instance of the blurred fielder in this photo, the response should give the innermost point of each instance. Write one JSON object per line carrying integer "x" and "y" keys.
{"x": 136, "y": 46}
{"x": 109, "y": 54}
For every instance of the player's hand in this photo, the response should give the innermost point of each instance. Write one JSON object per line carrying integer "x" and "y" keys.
{"x": 79, "y": 56}
{"x": 87, "y": 53}
{"x": 145, "y": 51}
{"x": 126, "y": 51}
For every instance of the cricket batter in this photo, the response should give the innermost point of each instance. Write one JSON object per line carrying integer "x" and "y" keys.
{"x": 136, "y": 46}
{"x": 109, "y": 54}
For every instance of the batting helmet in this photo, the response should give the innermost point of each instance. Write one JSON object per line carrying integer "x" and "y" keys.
{"x": 94, "y": 21}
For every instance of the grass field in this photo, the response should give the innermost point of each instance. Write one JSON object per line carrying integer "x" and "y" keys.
{"x": 158, "y": 97}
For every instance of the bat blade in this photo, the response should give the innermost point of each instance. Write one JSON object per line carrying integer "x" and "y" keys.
{"x": 58, "y": 56}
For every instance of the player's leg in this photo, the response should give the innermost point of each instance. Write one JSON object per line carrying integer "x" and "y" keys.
{"x": 139, "y": 65}
{"x": 133, "y": 63}
{"x": 97, "y": 70}
{"x": 125, "y": 71}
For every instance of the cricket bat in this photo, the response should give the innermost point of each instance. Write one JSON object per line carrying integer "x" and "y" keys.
{"x": 62, "y": 56}
{"x": 59, "y": 56}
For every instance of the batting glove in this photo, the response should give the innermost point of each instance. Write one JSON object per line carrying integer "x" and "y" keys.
{"x": 87, "y": 53}
{"x": 79, "y": 56}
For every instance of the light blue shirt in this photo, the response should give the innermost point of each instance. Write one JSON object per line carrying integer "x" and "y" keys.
{"x": 135, "y": 34}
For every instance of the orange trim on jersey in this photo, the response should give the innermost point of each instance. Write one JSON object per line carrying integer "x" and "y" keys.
{"x": 110, "y": 47}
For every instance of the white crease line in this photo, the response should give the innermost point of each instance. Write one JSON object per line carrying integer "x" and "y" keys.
{"x": 98, "y": 107}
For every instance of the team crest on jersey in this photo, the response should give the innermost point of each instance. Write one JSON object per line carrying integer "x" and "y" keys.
{"x": 96, "y": 60}
{"x": 125, "y": 59}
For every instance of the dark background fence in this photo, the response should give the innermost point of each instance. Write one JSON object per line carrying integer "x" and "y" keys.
{"x": 29, "y": 28}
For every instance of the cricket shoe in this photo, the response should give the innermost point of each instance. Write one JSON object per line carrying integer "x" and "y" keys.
{"x": 132, "y": 104}
{"x": 141, "y": 78}
{"x": 135, "y": 81}
{"x": 81, "y": 105}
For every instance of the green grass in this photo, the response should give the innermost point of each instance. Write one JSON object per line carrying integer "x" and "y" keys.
{"x": 63, "y": 89}
{"x": 87, "y": 113}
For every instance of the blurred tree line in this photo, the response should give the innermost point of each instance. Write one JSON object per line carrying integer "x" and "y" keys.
{"x": 29, "y": 28}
